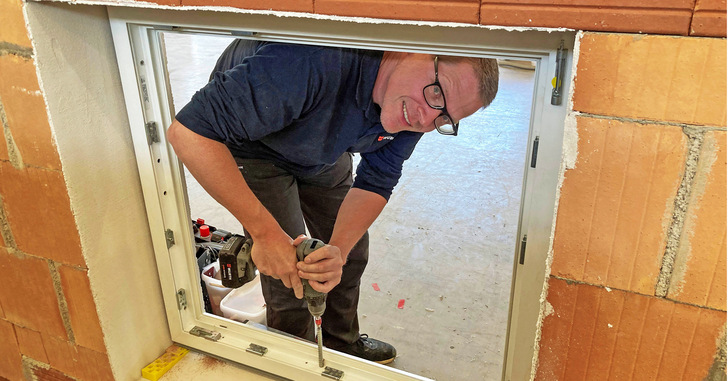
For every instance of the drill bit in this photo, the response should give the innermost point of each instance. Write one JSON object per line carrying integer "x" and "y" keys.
{"x": 317, "y": 321}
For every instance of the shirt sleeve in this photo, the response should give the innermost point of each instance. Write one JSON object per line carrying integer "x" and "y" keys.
{"x": 380, "y": 170}
{"x": 258, "y": 97}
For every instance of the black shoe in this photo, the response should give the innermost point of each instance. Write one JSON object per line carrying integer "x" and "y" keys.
{"x": 370, "y": 349}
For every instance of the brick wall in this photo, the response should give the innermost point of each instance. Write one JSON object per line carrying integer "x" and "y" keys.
{"x": 637, "y": 286}
{"x": 48, "y": 322}
{"x": 638, "y": 279}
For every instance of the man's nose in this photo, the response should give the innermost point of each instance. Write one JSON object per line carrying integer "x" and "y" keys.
{"x": 428, "y": 115}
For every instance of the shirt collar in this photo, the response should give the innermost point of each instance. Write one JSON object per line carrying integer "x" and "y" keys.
{"x": 367, "y": 76}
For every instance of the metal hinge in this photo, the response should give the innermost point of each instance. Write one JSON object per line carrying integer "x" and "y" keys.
{"x": 523, "y": 249}
{"x": 169, "y": 236}
{"x": 205, "y": 333}
{"x": 152, "y": 133}
{"x": 333, "y": 373}
{"x": 558, "y": 81}
{"x": 181, "y": 299}
{"x": 257, "y": 349}
{"x": 534, "y": 153}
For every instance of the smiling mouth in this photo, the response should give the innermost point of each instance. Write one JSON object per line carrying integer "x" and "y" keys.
{"x": 406, "y": 117}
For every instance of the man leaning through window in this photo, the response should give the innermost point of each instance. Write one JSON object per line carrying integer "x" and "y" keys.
{"x": 271, "y": 138}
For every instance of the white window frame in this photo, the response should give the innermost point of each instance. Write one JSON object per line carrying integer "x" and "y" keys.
{"x": 147, "y": 95}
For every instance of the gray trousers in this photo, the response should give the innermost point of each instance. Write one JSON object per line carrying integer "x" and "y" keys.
{"x": 315, "y": 201}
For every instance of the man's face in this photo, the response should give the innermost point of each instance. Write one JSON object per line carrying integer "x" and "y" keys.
{"x": 403, "y": 102}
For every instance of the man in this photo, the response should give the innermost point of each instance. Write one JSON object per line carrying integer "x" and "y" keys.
{"x": 272, "y": 138}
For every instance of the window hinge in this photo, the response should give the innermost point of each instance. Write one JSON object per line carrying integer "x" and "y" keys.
{"x": 169, "y": 235}
{"x": 205, "y": 333}
{"x": 257, "y": 349}
{"x": 534, "y": 153}
{"x": 181, "y": 299}
{"x": 523, "y": 249}
{"x": 152, "y": 133}
{"x": 333, "y": 373}
{"x": 558, "y": 81}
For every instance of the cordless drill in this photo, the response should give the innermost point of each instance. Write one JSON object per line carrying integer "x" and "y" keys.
{"x": 316, "y": 300}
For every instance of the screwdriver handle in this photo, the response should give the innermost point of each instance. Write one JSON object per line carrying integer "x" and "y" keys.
{"x": 305, "y": 248}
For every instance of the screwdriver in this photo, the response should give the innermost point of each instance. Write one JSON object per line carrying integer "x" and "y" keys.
{"x": 316, "y": 300}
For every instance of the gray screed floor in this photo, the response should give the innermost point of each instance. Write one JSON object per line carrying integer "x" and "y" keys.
{"x": 438, "y": 282}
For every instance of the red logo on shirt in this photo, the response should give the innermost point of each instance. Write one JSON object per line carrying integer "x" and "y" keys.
{"x": 385, "y": 138}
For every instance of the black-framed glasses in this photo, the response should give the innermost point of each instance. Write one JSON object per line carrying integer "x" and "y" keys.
{"x": 435, "y": 98}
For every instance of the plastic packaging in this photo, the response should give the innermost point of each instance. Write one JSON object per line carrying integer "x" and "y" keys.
{"x": 215, "y": 290}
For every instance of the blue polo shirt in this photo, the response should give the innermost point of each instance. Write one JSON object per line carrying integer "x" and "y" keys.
{"x": 302, "y": 107}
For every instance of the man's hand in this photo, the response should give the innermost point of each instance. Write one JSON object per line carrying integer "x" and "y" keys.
{"x": 322, "y": 268}
{"x": 277, "y": 258}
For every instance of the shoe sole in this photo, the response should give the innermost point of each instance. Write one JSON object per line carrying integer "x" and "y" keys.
{"x": 385, "y": 362}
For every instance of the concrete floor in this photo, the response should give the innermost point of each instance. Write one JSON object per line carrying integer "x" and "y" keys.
{"x": 445, "y": 242}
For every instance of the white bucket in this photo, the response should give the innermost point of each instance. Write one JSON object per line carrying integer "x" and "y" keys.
{"x": 245, "y": 303}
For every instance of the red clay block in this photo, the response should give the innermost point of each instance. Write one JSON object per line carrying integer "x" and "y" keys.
{"x": 400, "y": 304}
{"x": 275, "y": 5}
{"x": 709, "y": 18}
{"x": 375, "y": 286}
{"x": 699, "y": 276}
{"x": 11, "y": 367}
{"x": 92, "y": 365}
{"x": 26, "y": 112}
{"x": 37, "y": 204}
{"x": 30, "y": 298}
{"x": 61, "y": 354}
{"x": 31, "y": 344}
{"x": 616, "y": 204}
{"x": 653, "y": 78}
{"x": 12, "y": 23}
{"x": 463, "y": 11}
{"x": 596, "y": 334}
{"x": 607, "y": 16}
{"x": 77, "y": 361}
{"x": 49, "y": 374}
{"x": 82, "y": 308}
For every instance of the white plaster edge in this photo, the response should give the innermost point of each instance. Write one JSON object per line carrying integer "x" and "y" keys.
{"x": 66, "y": 181}
{"x": 315, "y": 16}
{"x": 568, "y": 161}
{"x": 54, "y": 138}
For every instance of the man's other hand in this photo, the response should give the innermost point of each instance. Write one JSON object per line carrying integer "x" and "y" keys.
{"x": 322, "y": 268}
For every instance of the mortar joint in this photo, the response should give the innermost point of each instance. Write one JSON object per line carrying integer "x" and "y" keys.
{"x": 62, "y": 303}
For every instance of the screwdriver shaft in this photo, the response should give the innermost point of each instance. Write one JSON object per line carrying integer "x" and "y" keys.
{"x": 317, "y": 322}
{"x": 320, "y": 348}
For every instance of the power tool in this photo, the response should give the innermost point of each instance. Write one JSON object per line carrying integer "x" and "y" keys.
{"x": 316, "y": 300}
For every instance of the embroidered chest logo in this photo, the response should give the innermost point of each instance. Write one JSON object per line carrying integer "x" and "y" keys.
{"x": 379, "y": 139}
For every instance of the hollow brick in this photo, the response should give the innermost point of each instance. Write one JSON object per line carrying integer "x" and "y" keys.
{"x": 616, "y": 204}
{"x": 464, "y": 11}
{"x": 82, "y": 308}
{"x": 668, "y": 17}
{"x": 675, "y": 79}
{"x": 595, "y": 333}
{"x": 10, "y": 360}
{"x": 12, "y": 24}
{"x": 38, "y": 211}
{"x": 25, "y": 112}
{"x": 31, "y": 301}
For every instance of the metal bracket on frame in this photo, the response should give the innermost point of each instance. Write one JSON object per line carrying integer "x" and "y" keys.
{"x": 256, "y": 349}
{"x": 205, "y": 333}
{"x": 333, "y": 373}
